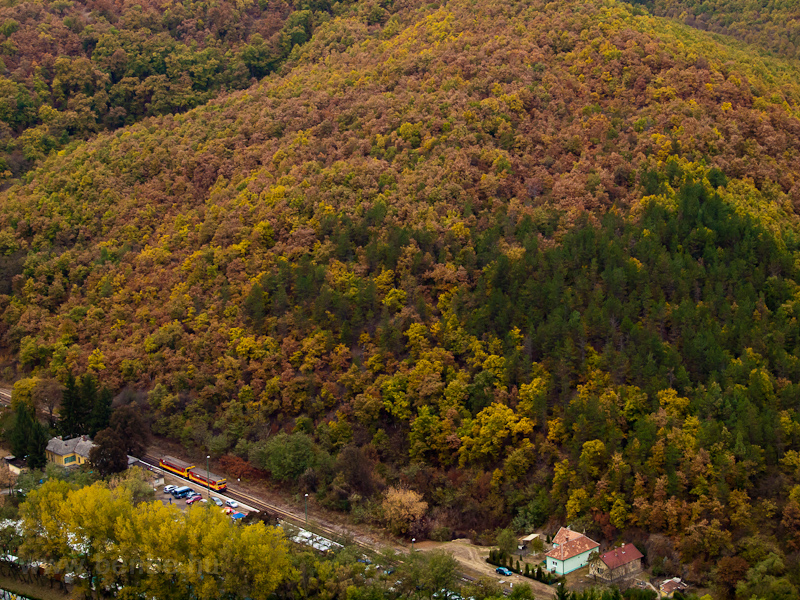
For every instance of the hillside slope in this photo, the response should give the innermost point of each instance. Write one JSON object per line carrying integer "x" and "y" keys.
{"x": 772, "y": 25}
{"x": 531, "y": 259}
{"x": 72, "y": 69}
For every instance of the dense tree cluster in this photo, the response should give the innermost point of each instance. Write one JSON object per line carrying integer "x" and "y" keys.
{"x": 154, "y": 549}
{"x": 71, "y": 69}
{"x": 127, "y": 545}
{"x": 771, "y": 25}
{"x": 525, "y": 260}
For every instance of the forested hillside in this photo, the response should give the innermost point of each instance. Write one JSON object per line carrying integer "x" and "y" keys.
{"x": 775, "y": 26}
{"x": 535, "y": 261}
{"x": 71, "y": 69}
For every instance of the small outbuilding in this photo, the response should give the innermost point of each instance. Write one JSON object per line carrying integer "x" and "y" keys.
{"x": 15, "y": 465}
{"x": 618, "y": 563}
{"x": 526, "y": 541}
{"x": 670, "y": 586}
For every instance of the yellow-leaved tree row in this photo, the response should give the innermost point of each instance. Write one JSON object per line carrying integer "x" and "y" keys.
{"x": 150, "y": 549}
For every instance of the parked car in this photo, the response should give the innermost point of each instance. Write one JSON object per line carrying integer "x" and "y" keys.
{"x": 168, "y": 489}
{"x": 194, "y": 499}
{"x": 231, "y": 503}
{"x": 183, "y": 492}
{"x": 216, "y": 501}
{"x": 503, "y": 571}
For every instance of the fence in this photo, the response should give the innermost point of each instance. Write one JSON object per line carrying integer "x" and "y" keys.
{"x": 6, "y": 595}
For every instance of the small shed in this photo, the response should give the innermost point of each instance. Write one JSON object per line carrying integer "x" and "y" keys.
{"x": 15, "y": 465}
{"x": 524, "y": 542}
{"x": 670, "y": 586}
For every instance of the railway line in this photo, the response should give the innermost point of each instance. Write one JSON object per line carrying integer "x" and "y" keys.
{"x": 253, "y": 503}
{"x": 298, "y": 520}
{"x": 293, "y": 518}
{"x": 5, "y": 396}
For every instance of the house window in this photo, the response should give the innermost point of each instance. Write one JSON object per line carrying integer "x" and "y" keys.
{"x": 69, "y": 459}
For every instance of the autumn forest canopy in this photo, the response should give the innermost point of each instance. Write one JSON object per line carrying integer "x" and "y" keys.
{"x": 538, "y": 262}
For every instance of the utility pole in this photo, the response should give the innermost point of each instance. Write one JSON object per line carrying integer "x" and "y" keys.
{"x": 208, "y": 480}
{"x": 306, "y": 509}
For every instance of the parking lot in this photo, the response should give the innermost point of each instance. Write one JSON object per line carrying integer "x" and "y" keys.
{"x": 167, "y": 498}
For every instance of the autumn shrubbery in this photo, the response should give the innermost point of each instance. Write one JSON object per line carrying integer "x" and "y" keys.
{"x": 531, "y": 261}
{"x": 236, "y": 467}
{"x": 401, "y": 509}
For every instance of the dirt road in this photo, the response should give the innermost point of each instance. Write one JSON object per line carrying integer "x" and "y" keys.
{"x": 472, "y": 559}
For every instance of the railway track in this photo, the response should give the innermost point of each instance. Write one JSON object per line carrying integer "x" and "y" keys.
{"x": 298, "y": 520}
{"x": 291, "y": 517}
{"x": 5, "y": 396}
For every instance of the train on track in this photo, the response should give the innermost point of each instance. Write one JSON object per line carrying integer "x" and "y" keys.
{"x": 192, "y": 473}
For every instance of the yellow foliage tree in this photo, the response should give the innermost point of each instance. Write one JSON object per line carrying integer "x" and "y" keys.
{"x": 494, "y": 428}
{"x": 401, "y": 508}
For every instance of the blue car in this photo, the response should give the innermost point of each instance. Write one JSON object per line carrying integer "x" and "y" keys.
{"x": 504, "y": 571}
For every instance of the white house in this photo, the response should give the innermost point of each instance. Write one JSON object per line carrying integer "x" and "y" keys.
{"x": 570, "y": 551}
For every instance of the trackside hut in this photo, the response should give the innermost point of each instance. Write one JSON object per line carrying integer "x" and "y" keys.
{"x": 571, "y": 554}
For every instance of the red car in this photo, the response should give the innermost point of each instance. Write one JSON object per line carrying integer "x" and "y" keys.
{"x": 193, "y": 499}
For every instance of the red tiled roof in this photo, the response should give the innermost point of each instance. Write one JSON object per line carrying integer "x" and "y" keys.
{"x": 564, "y": 535}
{"x": 573, "y": 547}
{"x": 621, "y": 556}
{"x": 671, "y": 585}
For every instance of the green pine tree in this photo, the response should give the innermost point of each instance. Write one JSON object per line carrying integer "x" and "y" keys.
{"x": 21, "y": 434}
{"x": 37, "y": 446}
{"x": 562, "y": 593}
{"x": 70, "y": 408}
{"x": 29, "y": 437}
{"x": 88, "y": 399}
{"x": 101, "y": 411}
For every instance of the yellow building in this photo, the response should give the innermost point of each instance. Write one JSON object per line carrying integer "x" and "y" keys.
{"x": 68, "y": 453}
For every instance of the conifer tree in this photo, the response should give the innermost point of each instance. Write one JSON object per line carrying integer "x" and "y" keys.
{"x": 37, "y": 446}
{"x": 70, "y": 409}
{"x": 29, "y": 437}
{"x": 88, "y": 399}
{"x": 22, "y": 430}
{"x": 101, "y": 411}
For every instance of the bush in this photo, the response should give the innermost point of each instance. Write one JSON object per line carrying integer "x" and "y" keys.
{"x": 402, "y": 508}
{"x": 288, "y": 456}
{"x": 442, "y": 534}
